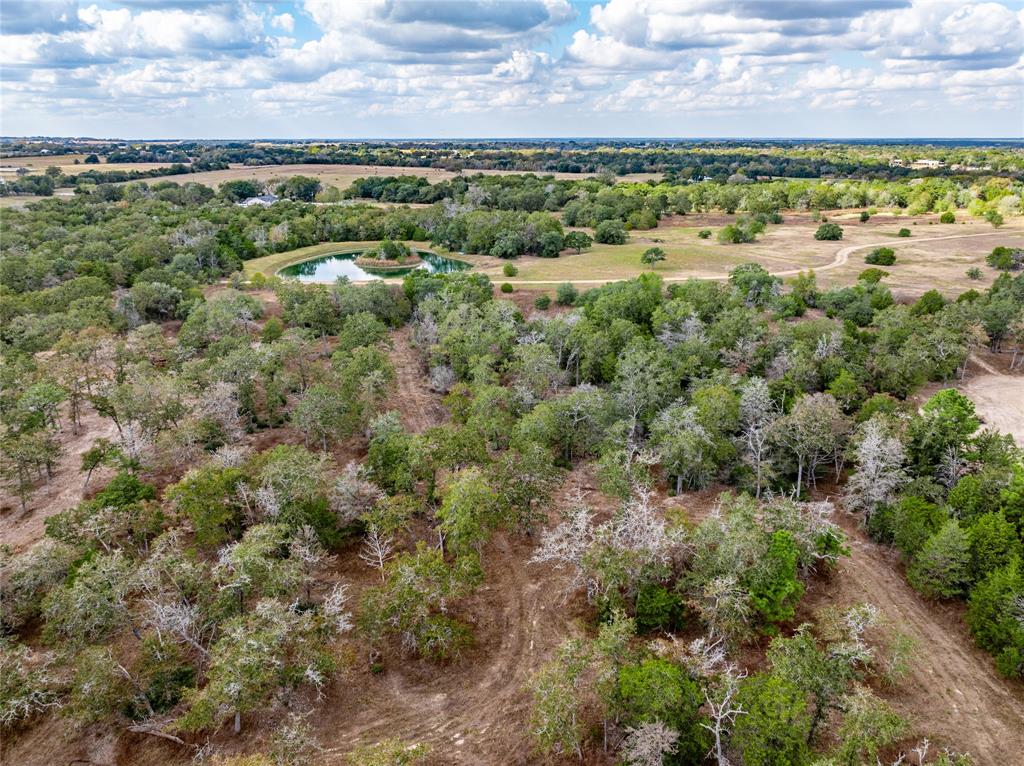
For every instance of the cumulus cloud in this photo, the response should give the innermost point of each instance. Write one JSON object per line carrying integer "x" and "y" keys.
{"x": 394, "y": 59}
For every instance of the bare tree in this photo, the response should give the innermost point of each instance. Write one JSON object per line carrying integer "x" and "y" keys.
{"x": 880, "y": 473}
{"x": 723, "y": 711}
{"x": 377, "y": 549}
{"x": 649, "y": 743}
{"x": 758, "y": 412}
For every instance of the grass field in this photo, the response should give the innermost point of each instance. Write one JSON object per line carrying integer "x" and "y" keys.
{"x": 342, "y": 176}
{"x": 931, "y": 258}
{"x": 66, "y": 162}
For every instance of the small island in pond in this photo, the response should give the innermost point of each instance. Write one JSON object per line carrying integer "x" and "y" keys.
{"x": 388, "y": 255}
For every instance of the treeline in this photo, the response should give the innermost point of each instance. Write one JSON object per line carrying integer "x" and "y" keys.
{"x": 587, "y": 202}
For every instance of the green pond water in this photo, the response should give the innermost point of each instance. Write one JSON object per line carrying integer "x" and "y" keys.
{"x": 328, "y": 268}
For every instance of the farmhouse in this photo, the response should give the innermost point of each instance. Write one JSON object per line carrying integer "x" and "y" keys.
{"x": 264, "y": 199}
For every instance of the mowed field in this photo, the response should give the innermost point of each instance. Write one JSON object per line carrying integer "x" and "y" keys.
{"x": 66, "y": 162}
{"x": 936, "y": 256}
{"x": 342, "y": 176}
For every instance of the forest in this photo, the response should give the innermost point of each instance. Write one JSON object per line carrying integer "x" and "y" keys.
{"x": 267, "y": 523}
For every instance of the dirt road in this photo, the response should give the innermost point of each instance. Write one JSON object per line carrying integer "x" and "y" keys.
{"x": 953, "y": 695}
{"x": 998, "y": 398}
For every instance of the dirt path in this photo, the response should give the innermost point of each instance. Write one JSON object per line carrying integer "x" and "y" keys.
{"x": 953, "y": 695}
{"x": 476, "y": 710}
{"x": 841, "y": 257}
{"x": 998, "y": 398}
{"x": 65, "y": 490}
{"x": 420, "y": 407}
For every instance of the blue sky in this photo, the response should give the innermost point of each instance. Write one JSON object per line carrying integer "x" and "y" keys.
{"x": 417, "y": 68}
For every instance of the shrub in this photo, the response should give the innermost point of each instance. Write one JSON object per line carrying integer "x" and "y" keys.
{"x": 829, "y": 231}
{"x": 611, "y": 232}
{"x": 882, "y": 256}
{"x": 743, "y": 231}
{"x": 864, "y": 216}
{"x": 974, "y": 273}
{"x": 507, "y": 288}
{"x": 1006, "y": 258}
{"x": 872, "y": 276}
{"x": 704, "y": 233}
{"x": 566, "y": 294}
{"x": 903, "y": 233}
{"x": 658, "y": 607}
{"x": 542, "y": 302}
{"x": 947, "y": 217}
{"x": 509, "y": 270}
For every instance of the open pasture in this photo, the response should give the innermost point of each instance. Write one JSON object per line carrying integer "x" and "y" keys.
{"x": 342, "y": 176}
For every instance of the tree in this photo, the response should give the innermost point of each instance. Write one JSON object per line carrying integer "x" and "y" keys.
{"x": 823, "y": 672}
{"x": 269, "y": 647}
{"x": 611, "y": 232}
{"x": 555, "y": 714}
{"x": 302, "y": 188}
{"x": 993, "y": 540}
{"x": 754, "y": 284}
{"x": 940, "y": 569}
{"x": 773, "y": 584}
{"x": 656, "y": 690}
{"x": 775, "y": 725}
{"x": 879, "y": 474}
{"x": 868, "y": 725}
{"x": 28, "y": 684}
{"x": 578, "y": 241}
{"x": 649, "y": 743}
{"x": 652, "y": 256}
{"x": 814, "y": 432}
{"x": 994, "y": 616}
{"x": 566, "y": 294}
{"x": 881, "y": 256}
{"x": 829, "y": 231}
{"x": 94, "y": 604}
{"x": 468, "y": 511}
{"x": 413, "y": 603}
{"x": 946, "y": 421}
{"x": 757, "y": 414}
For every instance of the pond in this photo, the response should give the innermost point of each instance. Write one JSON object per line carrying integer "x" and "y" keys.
{"x": 328, "y": 268}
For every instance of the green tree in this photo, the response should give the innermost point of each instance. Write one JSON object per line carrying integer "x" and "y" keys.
{"x": 940, "y": 569}
{"x": 556, "y": 724}
{"x": 993, "y": 615}
{"x": 578, "y": 241}
{"x": 775, "y": 726}
{"x": 611, "y": 232}
{"x": 868, "y": 725}
{"x": 657, "y": 690}
{"x": 773, "y": 584}
{"x": 993, "y": 541}
{"x": 652, "y": 256}
{"x": 829, "y": 231}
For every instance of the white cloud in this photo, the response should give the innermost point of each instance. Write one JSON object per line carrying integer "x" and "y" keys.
{"x": 424, "y": 60}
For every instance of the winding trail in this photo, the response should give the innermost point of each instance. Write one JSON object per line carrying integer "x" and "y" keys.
{"x": 842, "y": 256}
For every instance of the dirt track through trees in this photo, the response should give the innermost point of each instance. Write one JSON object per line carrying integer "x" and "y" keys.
{"x": 953, "y": 694}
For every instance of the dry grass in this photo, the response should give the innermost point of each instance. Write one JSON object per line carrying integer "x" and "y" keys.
{"x": 66, "y": 162}
{"x": 342, "y": 176}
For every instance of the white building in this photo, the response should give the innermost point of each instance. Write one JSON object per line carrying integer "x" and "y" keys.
{"x": 266, "y": 200}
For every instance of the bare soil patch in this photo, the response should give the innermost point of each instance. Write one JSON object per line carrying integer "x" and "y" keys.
{"x": 953, "y": 694}
{"x": 64, "y": 490}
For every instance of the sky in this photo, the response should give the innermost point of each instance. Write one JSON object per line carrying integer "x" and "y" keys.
{"x": 153, "y": 69}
